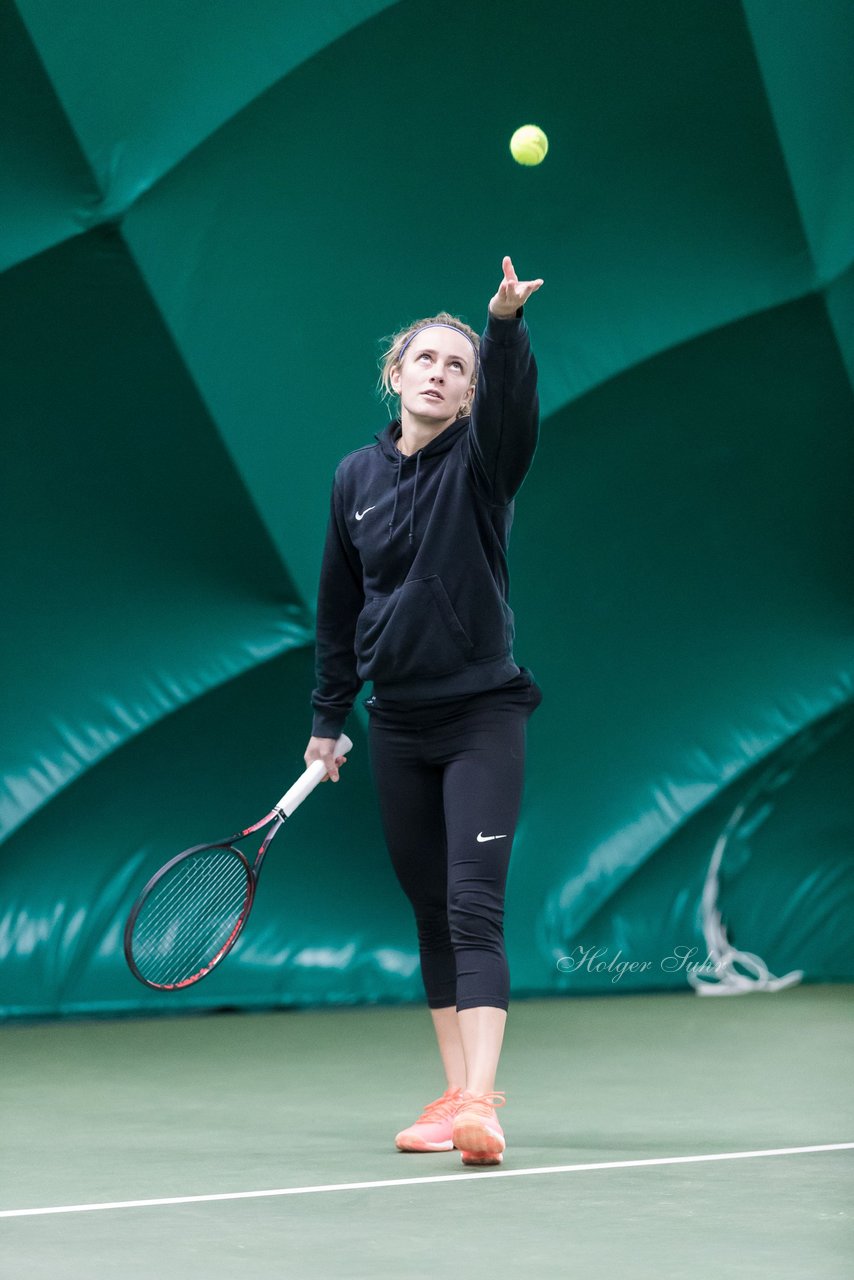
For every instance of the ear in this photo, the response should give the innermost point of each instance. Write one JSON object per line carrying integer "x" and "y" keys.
{"x": 394, "y": 377}
{"x": 470, "y": 393}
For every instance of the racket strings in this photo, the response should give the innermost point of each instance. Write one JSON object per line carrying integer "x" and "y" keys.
{"x": 190, "y": 916}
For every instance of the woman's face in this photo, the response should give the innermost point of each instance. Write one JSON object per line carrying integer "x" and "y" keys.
{"x": 436, "y": 374}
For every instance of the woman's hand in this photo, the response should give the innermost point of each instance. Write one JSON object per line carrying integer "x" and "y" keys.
{"x": 512, "y": 293}
{"x": 324, "y": 749}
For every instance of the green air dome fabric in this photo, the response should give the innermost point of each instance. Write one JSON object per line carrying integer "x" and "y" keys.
{"x": 211, "y": 214}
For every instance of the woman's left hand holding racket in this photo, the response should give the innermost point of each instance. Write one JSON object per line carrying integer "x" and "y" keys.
{"x": 192, "y": 911}
{"x": 327, "y": 750}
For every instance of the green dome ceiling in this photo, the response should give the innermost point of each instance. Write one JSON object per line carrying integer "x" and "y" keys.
{"x": 211, "y": 215}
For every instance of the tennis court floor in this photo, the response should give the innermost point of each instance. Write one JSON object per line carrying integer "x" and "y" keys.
{"x": 635, "y": 1128}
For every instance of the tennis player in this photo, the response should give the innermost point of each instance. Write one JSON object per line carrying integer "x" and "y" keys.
{"x": 413, "y": 597}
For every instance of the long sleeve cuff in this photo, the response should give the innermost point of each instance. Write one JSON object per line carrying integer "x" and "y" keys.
{"x": 324, "y": 725}
{"x": 506, "y": 331}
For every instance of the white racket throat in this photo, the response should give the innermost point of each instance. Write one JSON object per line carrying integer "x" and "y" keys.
{"x": 307, "y": 781}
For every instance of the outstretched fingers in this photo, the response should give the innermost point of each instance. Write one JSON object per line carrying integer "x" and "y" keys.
{"x": 512, "y": 292}
{"x": 529, "y": 287}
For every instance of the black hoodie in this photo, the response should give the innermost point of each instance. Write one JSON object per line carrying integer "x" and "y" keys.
{"x": 414, "y": 584}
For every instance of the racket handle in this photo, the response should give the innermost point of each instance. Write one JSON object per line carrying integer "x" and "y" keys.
{"x": 307, "y": 781}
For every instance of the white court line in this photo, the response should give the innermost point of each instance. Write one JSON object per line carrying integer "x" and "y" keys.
{"x": 410, "y": 1182}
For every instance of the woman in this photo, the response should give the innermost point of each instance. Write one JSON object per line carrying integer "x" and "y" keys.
{"x": 414, "y": 597}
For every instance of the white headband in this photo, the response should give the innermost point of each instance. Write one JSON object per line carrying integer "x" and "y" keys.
{"x": 437, "y": 325}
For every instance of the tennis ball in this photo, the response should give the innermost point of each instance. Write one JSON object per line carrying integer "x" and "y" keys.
{"x": 529, "y": 145}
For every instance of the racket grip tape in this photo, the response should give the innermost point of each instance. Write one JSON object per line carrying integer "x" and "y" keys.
{"x": 306, "y": 782}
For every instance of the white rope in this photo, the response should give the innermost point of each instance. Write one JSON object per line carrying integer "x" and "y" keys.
{"x": 733, "y": 972}
{"x": 730, "y": 971}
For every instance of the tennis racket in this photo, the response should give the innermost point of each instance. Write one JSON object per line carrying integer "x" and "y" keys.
{"x": 192, "y": 911}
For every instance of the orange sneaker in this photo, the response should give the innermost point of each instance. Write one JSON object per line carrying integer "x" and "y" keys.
{"x": 432, "y": 1130}
{"x": 476, "y": 1131}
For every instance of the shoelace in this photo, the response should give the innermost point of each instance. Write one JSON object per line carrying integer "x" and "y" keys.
{"x": 442, "y": 1109}
{"x": 484, "y": 1103}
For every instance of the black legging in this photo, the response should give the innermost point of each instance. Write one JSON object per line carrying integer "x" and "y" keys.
{"x": 449, "y": 778}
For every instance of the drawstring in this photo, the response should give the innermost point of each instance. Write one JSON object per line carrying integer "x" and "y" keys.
{"x": 397, "y": 493}
{"x": 414, "y": 494}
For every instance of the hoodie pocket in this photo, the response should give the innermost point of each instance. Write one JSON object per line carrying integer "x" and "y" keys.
{"x": 414, "y": 632}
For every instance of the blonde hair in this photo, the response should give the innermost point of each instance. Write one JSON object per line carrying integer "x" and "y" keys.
{"x": 393, "y": 351}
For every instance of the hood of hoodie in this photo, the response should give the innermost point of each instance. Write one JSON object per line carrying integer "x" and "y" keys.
{"x": 387, "y": 440}
{"x": 388, "y": 437}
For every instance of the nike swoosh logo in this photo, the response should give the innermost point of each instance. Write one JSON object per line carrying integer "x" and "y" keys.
{"x": 482, "y": 839}
{"x": 359, "y": 514}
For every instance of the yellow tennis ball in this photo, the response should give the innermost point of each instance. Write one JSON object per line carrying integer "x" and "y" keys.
{"x": 529, "y": 145}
